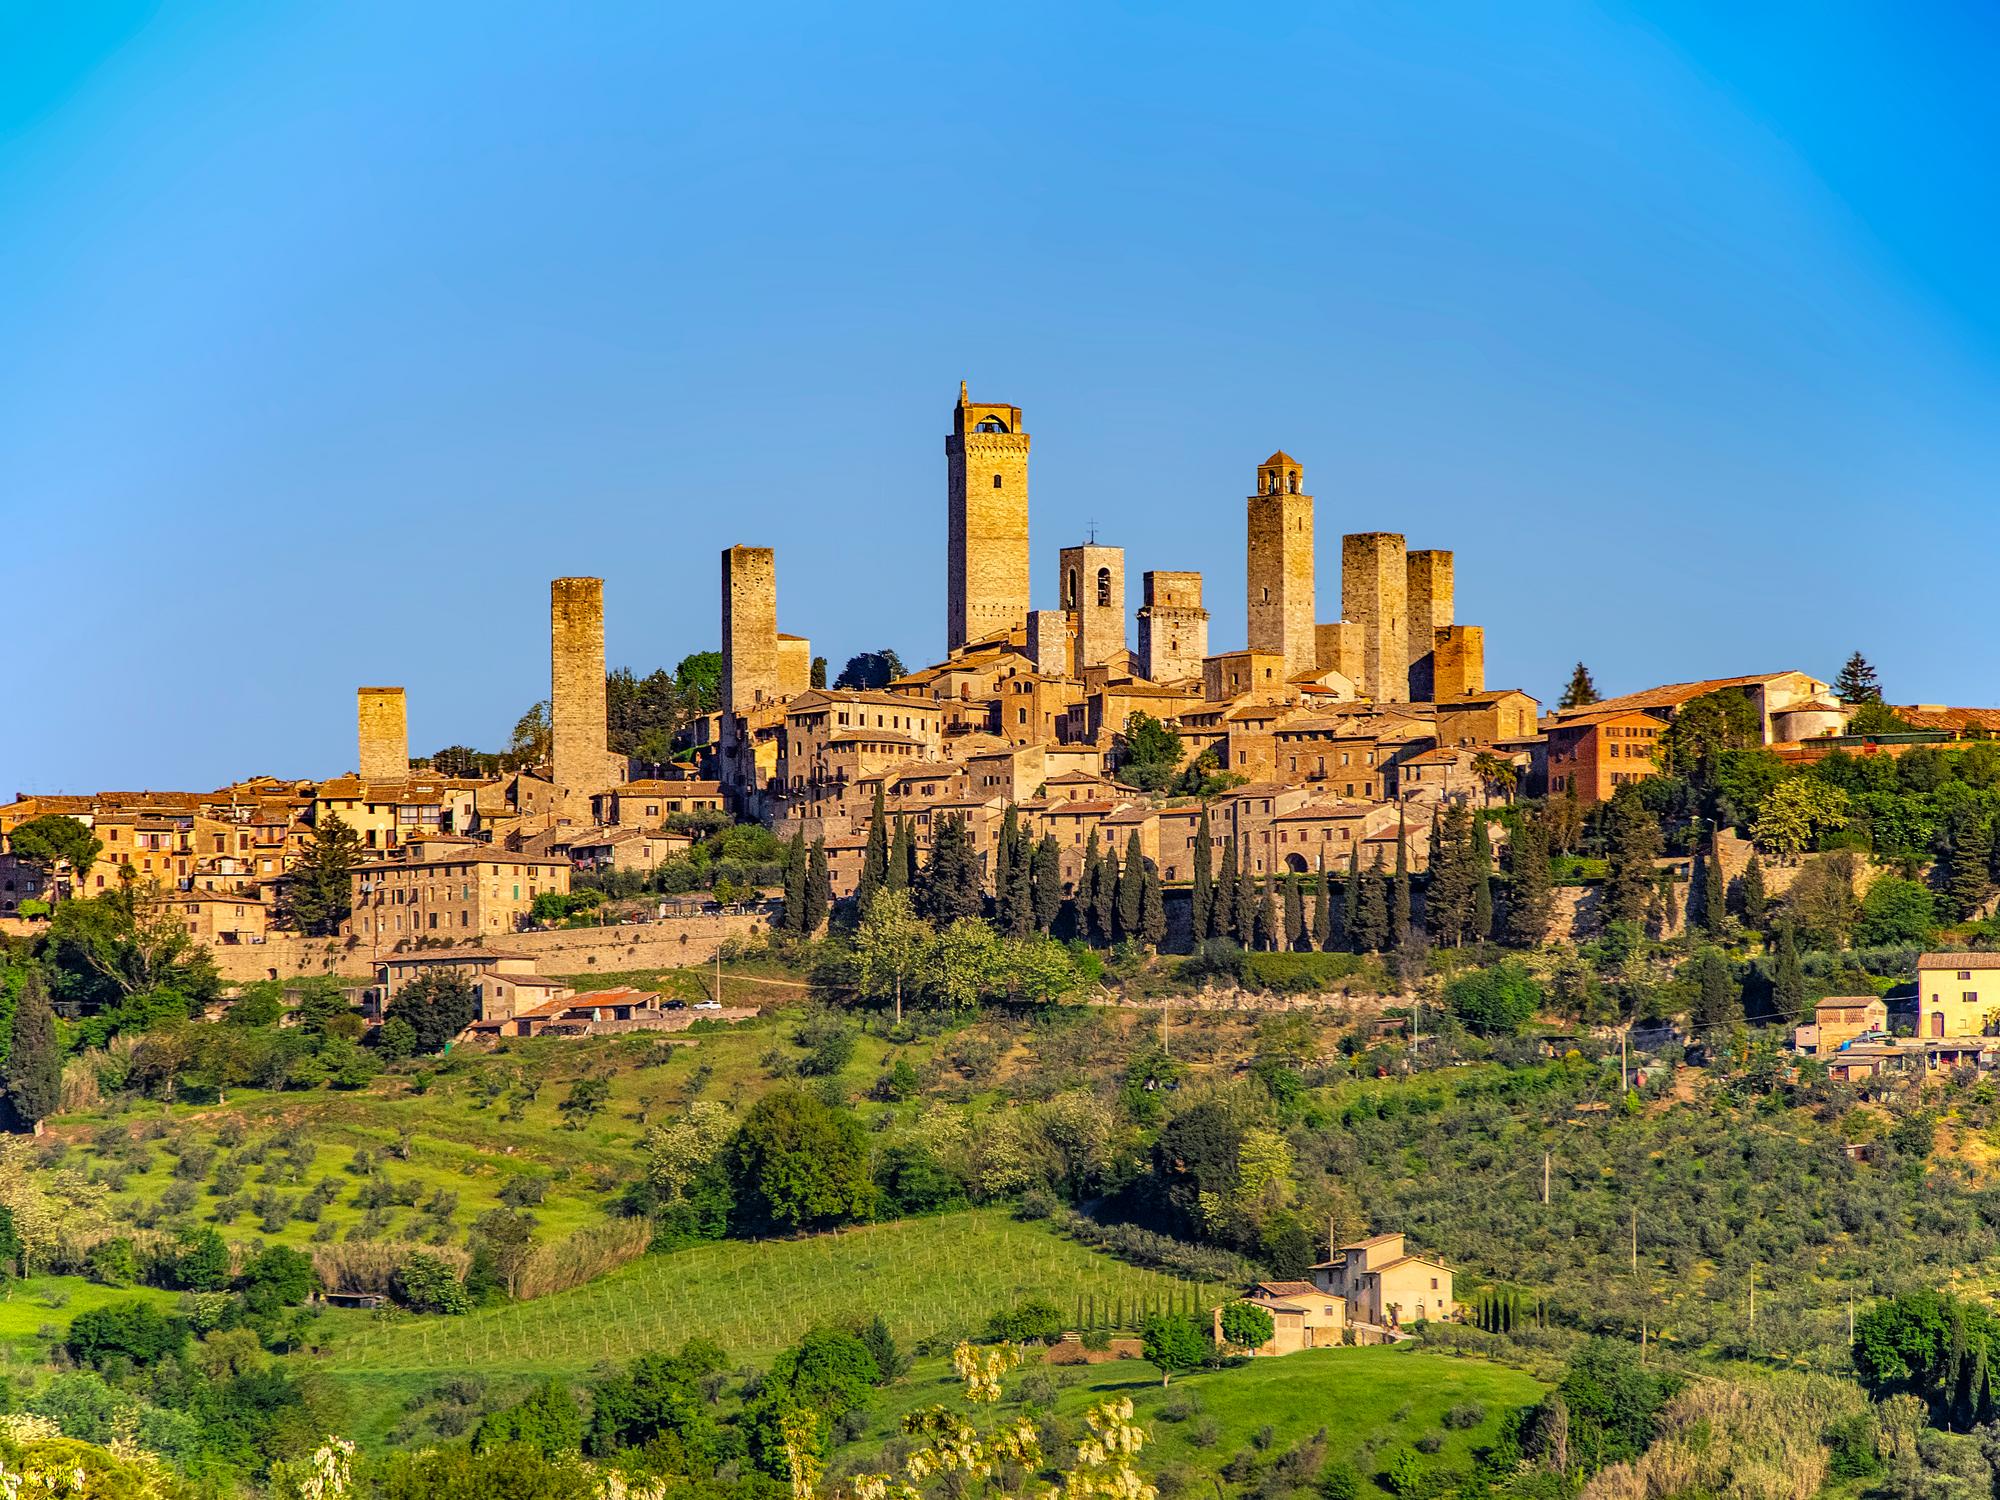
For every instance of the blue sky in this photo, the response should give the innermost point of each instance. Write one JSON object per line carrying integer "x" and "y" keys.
{"x": 328, "y": 335}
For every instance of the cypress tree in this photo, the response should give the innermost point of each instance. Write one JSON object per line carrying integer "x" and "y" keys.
{"x": 1152, "y": 908}
{"x": 1399, "y": 910}
{"x": 1295, "y": 916}
{"x": 875, "y": 859}
{"x": 1268, "y": 931}
{"x": 1372, "y": 926}
{"x": 819, "y": 888}
{"x": 1246, "y": 900}
{"x": 902, "y": 857}
{"x": 1750, "y": 893}
{"x": 1448, "y": 892}
{"x": 795, "y": 883}
{"x": 1048, "y": 882}
{"x": 1021, "y": 895}
{"x": 1086, "y": 888}
{"x": 1322, "y": 926}
{"x": 1530, "y": 885}
{"x": 1132, "y": 888}
{"x": 1714, "y": 890}
{"x": 1350, "y": 922}
{"x": 1718, "y": 1003}
{"x": 1482, "y": 882}
{"x": 1788, "y": 980}
{"x": 1005, "y": 854}
{"x": 1204, "y": 879}
{"x": 1222, "y": 918}
{"x": 953, "y": 887}
{"x": 1635, "y": 844}
{"x": 1968, "y": 854}
{"x": 1104, "y": 899}
{"x": 34, "y": 1063}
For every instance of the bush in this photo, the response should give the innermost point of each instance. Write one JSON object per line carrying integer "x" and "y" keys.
{"x": 1495, "y": 1001}
{"x": 133, "y": 1330}
{"x": 1338, "y": 1481}
{"x": 1247, "y": 1326}
{"x": 1033, "y": 1322}
{"x": 424, "y": 1283}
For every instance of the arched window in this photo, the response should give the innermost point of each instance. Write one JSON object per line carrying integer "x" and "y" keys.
{"x": 1104, "y": 588}
{"x": 996, "y": 481}
{"x": 990, "y": 424}
{"x": 1069, "y": 589}
{"x": 1295, "y": 484}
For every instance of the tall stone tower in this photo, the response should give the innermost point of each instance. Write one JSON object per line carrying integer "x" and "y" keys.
{"x": 1429, "y": 589}
{"x": 1374, "y": 577}
{"x": 749, "y": 627}
{"x": 1093, "y": 596}
{"x": 987, "y": 462}
{"x": 384, "y": 734}
{"x": 1281, "y": 564}
{"x": 1173, "y": 627}
{"x": 1460, "y": 655}
{"x": 581, "y": 761}
{"x": 1052, "y": 642}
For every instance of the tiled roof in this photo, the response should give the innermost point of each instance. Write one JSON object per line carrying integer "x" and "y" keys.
{"x": 1929, "y": 716}
{"x": 1959, "y": 961}
{"x": 1673, "y": 694}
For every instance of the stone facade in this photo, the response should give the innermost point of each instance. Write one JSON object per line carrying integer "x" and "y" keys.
{"x": 581, "y": 763}
{"x": 749, "y": 628}
{"x": 1458, "y": 656}
{"x": 1338, "y": 649}
{"x": 987, "y": 478}
{"x": 1093, "y": 595}
{"x": 1052, "y": 642}
{"x": 1428, "y": 590}
{"x": 1173, "y": 627}
{"x": 795, "y": 660}
{"x": 1280, "y": 565}
{"x": 383, "y": 731}
{"x": 1374, "y": 577}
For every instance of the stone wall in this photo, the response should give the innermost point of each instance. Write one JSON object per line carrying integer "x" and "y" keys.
{"x": 669, "y": 943}
{"x": 1428, "y": 587}
{"x": 383, "y": 731}
{"x": 1100, "y": 627}
{"x": 1374, "y": 583}
{"x": 749, "y": 627}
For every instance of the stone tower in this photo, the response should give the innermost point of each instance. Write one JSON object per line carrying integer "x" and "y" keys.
{"x": 1052, "y": 642}
{"x": 1429, "y": 590}
{"x": 1093, "y": 596}
{"x": 384, "y": 734}
{"x": 581, "y": 763}
{"x": 987, "y": 463}
{"x": 1459, "y": 652}
{"x": 1173, "y": 627}
{"x": 749, "y": 628}
{"x": 1281, "y": 564}
{"x": 1374, "y": 576}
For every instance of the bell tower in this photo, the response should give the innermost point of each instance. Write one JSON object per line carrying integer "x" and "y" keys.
{"x": 1280, "y": 557}
{"x": 986, "y": 459}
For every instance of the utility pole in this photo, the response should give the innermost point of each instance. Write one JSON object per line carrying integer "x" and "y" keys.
{"x": 1635, "y": 1239}
{"x": 718, "y": 975}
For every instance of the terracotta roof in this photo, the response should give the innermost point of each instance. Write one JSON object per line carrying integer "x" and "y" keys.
{"x": 1082, "y": 808}
{"x": 450, "y": 955}
{"x": 1280, "y": 457}
{"x": 1290, "y": 1289}
{"x": 1958, "y": 720}
{"x": 1320, "y": 810}
{"x": 1673, "y": 694}
{"x": 1959, "y": 961}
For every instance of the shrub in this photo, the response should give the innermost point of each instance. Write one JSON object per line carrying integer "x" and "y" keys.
{"x": 1495, "y": 1001}
{"x": 424, "y": 1283}
{"x": 133, "y": 1330}
{"x": 1338, "y": 1481}
{"x": 1030, "y": 1322}
{"x": 1247, "y": 1326}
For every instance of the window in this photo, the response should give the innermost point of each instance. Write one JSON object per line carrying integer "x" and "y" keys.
{"x": 1965, "y": 973}
{"x": 1104, "y": 588}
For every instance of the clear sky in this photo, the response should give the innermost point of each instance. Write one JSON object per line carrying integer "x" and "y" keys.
{"x": 329, "y": 334}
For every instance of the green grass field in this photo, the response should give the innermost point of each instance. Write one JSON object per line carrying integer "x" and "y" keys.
{"x": 27, "y": 1307}
{"x": 927, "y": 1277}
{"x": 1369, "y": 1401}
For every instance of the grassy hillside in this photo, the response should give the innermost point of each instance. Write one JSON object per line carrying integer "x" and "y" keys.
{"x": 927, "y": 1277}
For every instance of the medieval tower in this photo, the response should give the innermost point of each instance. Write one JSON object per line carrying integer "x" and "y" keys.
{"x": 987, "y": 463}
{"x": 1428, "y": 580}
{"x": 1281, "y": 564}
{"x": 749, "y": 628}
{"x": 1093, "y": 596}
{"x": 384, "y": 734}
{"x": 1173, "y": 627}
{"x": 1374, "y": 578}
{"x": 581, "y": 763}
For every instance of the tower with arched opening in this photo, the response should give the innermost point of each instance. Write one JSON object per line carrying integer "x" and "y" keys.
{"x": 986, "y": 457}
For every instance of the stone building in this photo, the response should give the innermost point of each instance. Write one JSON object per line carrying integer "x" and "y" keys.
{"x": 1093, "y": 597}
{"x": 1458, "y": 663}
{"x": 1337, "y": 648}
{"x": 1280, "y": 565}
{"x": 448, "y": 888}
{"x": 1593, "y": 755}
{"x": 987, "y": 488}
{"x": 1429, "y": 594}
{"x": 383, "y": 732}
{"x": 1374, "y": 580}
{"x": 581, "y": 760}
{"x": 749, "y": 628}
{"x": 1173, "y": 627}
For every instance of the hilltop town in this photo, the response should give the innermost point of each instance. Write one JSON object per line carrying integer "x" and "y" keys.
{"x": 1317, "y": 746}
